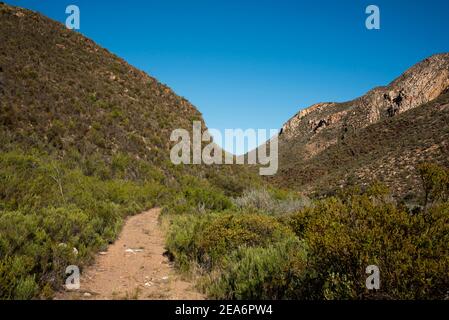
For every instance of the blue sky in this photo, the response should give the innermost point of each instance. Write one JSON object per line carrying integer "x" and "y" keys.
{"x": 255, "y": 63}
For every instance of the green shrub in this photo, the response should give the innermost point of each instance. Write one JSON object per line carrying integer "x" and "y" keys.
{"x": 26, "y": 288}
{"x": 344, "y": 236}
{"x": 272, "y": 272}
{"x": 338, "y": 287}
{"x": 207, "y": 199}
{"x": 272, "y": 201}
{"x": 47, "y": 209}
{"x": 14, "y": 279}
{"x": 182, "y": 237}
{"x": 230, "y": 184}
{"x": 198, "y": 196}
{"x": 207, "y": 239}
{"x": 231, "y": 231}
{"x": 251, "y": 256}
{"x": 435, "y": 182}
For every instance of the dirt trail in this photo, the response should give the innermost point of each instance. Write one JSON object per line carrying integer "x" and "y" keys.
{"x": 134, "y": 267}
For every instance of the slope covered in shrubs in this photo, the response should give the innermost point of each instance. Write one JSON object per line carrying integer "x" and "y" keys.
{"x": 387, "y": 150}
{"x": 84, "y": 142}
{"x": 56, "y": 213}
{"x": 322, "y": 250}
{"x": 53, "y": 216}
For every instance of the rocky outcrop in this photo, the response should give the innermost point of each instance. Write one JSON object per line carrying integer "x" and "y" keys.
{"x": 324, "y": 126}
{"x": 420, "y": 84}
{"x": 289, "y": 128}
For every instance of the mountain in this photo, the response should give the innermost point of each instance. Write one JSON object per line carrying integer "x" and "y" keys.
{"x": 382, "y": 135}
{"x": 62, "y": 94}
{"x": 61, "y": 91}
{"x": 84, "y": 143}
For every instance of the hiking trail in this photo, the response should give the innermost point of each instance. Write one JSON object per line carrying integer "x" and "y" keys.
{"x": 134, "y": 267}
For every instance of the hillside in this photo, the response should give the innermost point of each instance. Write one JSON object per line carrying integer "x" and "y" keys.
{"x": 61, "y": 92}
{"x": 382, "y": 135}
{"x": 84, "y": 143}
{"x": 66, "y": 96}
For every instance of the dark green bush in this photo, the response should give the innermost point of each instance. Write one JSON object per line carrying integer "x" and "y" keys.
{"x": 15, "y": 279}
{"x": 435, "y": 181}
{"x": 207, "y": 239}
{"x": 272, "y": 272}
{"x": 274, "y": 201}
{"x": 345, "y": 236}
{"x": 231, "y": 231}
{"x": 207, "y": 199}
{"x": 198, "y": 195}
{"x": 48, "y": 209}
{"x": 251, "y": 256}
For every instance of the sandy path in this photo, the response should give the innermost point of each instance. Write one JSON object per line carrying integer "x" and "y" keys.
{"x": 134, "y": 267}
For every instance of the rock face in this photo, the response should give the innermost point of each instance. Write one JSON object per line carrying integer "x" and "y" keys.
{"x": 331, "y": 125}
{"x": 420, "y": 84}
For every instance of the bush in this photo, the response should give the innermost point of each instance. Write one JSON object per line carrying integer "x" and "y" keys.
{"x": 230, "y": 231}
{"x": 207, "y": 199}
{"x": 198, "y": 196}
{"x": 47, "y": 209}
{"x": 182, "y": 237}
{"x": 435, "y": 182}
{"x": 231, "y": 185}
{"x": 26, "y": 288}
{"x": 271, "y": 202}
{"x": 321, "y": 252}
{"x": 273, "y": 272}
{"x": 15, "y": 283}
{"x": 344, "y": 236}
{"x": 206, "y": 239}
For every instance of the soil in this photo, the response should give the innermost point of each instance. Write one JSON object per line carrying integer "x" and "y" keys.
{"x": 134, "y": 267}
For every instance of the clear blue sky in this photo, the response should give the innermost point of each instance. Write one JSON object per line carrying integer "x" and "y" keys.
{"x": 255, "y": 63}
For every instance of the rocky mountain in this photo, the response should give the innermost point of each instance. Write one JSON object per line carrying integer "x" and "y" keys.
{"x": 381, "y": 135}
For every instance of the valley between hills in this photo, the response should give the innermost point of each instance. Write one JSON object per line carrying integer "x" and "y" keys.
{"x": 86, "y": 180}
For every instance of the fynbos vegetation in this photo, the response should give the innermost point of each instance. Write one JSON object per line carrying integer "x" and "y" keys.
{"x": 85, "y": 143}
{"x": 321, "y": 251}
